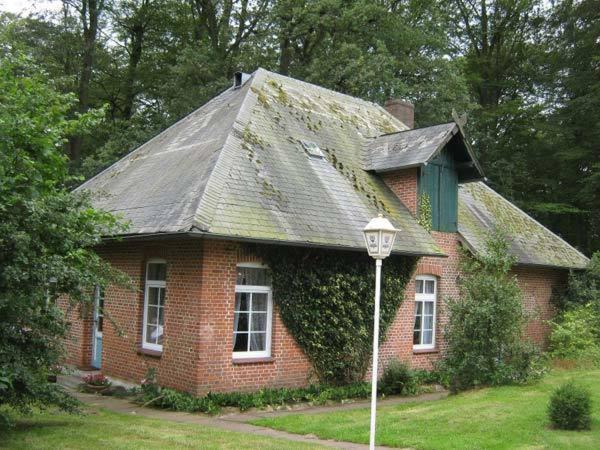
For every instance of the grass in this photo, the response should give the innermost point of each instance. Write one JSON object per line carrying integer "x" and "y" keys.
{"x": 108, "y": 430}
{"x": 490, "y": 418}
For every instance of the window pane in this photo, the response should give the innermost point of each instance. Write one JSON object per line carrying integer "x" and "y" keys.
{"x": 259, "y": 302}
{"x": 159, "y": 335}
{"x": 162, "y": 297}
{"x": 161, "y": 316}
{"x": 258, "y": 342}
{"x": 259, "y": 321}
{"x": 419, "y": 308}
{"x": 153, "y": 294}
{"x": 157, "y": 272}
{"x": 151, "y": 334}
{"x": 427, "y": 322}
{"x": 253, "y": 276}
{"x": 428, "y": 307}
{"x": 152, "y": 315}
{"x": 427, "y": 337}
{"x": 429, "y": 286}
{"x": 416, "y": 337}
{"x": 240, "y": 322}
{"x": 240, "y": 342}
{"x": 419, "y": 286}
{"x": 417, "y": 322}
{"x": 242, "y": 301}
{"x": 100, "y": 324}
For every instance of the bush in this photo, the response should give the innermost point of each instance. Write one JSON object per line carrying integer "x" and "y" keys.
{"x": 398, "y": 379}
{"x": 485, "y": 326}
{"x": 575, "y": 335}
{"x": 570, "y": 408}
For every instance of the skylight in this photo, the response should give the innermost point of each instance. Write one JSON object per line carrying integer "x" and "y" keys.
{"x": 312, "y": 149}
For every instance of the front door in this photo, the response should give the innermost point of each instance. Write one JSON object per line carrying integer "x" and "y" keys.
{"x": 97, "y": 328}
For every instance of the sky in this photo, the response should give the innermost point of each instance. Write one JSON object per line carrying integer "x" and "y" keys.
{"x": 28, "y": 6}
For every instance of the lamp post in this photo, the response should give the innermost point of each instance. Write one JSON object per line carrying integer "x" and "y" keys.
{"x": 379, "y": 237}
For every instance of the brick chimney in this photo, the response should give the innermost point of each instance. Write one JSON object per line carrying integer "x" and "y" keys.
{"x": 402, "y": 110}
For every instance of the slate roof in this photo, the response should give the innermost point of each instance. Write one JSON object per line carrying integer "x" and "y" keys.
{"x": 238, "y": 168}
{"x": 408, "y": 148}
{"x": 481, "y": 209}
{"x": 411, "y": 148}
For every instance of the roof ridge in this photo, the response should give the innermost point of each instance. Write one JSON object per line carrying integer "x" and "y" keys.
{"x": 322, "y": 88}
{"x": 207, "y": 201}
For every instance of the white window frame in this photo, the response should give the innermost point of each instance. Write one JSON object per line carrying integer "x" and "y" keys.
{"x": 147, "y": 285}
{"x": 423, "y": 297}
{"x": 259, "y": 290}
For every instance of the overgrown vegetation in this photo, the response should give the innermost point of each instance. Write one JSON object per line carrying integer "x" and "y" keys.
{"x": 398, "y": 379}
{"x": 570, "y": 407}
{"x": 46, "y": 235}
{"x": 485, "y": 332}
{"x": 425, "y": 214}
{"x": 325, "y": 300}
{"x": 575, "y": 333}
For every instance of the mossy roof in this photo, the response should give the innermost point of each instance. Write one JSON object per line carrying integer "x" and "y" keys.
{"x": 238, "y": 168}
{"x": 481, "y": 210}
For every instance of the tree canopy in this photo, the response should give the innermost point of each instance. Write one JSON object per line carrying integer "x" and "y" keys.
{"x": 525, "y": 72}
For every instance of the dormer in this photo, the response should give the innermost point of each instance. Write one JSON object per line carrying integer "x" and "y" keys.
{"x": 426, "y": 163}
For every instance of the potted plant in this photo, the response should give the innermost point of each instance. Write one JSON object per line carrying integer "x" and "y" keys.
{"x": 96, "y": 382}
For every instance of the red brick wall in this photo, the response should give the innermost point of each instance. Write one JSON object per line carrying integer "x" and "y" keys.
{"x": 399, "y": 338}
{"x": 200, "y": 297}
{"x": 78, "y": 344}
{"x": 198, "y": 328}
{"x": 403, "y": 183}
{"x": 536, "y": 285}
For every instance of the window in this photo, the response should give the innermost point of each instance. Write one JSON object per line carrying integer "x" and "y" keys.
{"x": 424, "y": 332}
{"x": 154, "y": 305}
{"x": 252, "y": 312}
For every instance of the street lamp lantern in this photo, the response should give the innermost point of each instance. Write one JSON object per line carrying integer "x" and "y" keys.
{"x": 379, "y": 237}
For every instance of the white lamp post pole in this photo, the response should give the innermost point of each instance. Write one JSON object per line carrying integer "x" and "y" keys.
{"x": 379, "y": 237}
{"x": 375, "y": 353}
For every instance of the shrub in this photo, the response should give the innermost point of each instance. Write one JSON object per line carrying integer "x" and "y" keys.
{"x": 575, "y": 335}
{"x": 485, "y": 326}
{"x": 398, "y": 379}
{"x": 157, "y": 396}
{"x": 570, "y": 407}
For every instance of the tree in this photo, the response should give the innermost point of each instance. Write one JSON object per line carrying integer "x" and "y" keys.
{"x": 486, "y": 323}
{"x": 47, "y": 234}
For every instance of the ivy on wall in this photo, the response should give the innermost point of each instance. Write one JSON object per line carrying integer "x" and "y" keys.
{"x": 325, "y": 300}
{"x": 425, "y": 217}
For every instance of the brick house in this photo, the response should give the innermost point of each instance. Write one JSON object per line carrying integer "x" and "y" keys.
{"x": 274, "y": 161}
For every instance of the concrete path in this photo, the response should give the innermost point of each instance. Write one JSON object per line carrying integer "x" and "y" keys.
{"x": 236, "y": 421}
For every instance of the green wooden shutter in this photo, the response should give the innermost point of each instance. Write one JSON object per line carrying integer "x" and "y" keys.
{"x": 439, "y": 180}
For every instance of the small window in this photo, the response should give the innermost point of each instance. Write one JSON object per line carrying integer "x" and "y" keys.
{"x": 252, "y": 313}
{"x": 154, "y": 305}
{"x": 425, "y": 305}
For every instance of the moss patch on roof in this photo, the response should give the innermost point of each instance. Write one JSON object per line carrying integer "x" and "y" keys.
{"x": 481, "y": 210}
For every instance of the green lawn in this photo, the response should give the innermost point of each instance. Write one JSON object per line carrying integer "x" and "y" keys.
{"x": 107, "y": 430}
{"x": 493, "y": 418}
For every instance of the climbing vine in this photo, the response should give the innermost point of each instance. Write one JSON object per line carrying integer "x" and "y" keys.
{"x": 325, "y": 299}
{"x": 425, "y": 215}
